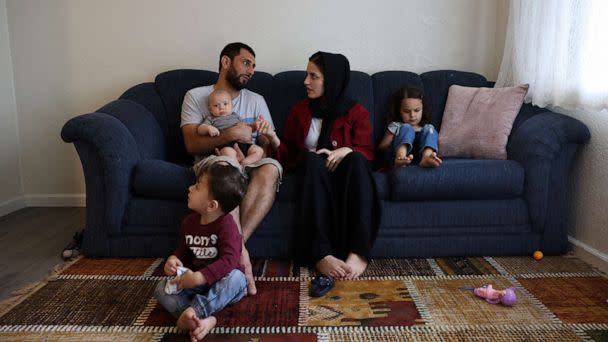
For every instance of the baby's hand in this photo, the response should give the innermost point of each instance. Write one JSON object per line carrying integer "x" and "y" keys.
{"x": 213, "y": 131}
{"x": 171, "y": 265}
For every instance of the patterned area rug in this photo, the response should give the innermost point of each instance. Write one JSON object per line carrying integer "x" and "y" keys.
{"x": 558, "y": 299}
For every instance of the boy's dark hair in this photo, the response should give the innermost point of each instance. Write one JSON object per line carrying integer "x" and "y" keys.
{"x": 227, "y": 185}
{"x": 407, "y": 93}
{"x": 234, "y": 49}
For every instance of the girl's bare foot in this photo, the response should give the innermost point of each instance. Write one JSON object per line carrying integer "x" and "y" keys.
{"x": 203, "y": 326}
{"x": 333, "y": 267}
{"x": 357, "y": 263}
{"x": 401, "y": 156}
{"x": 403, "y": 161}
{"x": 430, "y": 160}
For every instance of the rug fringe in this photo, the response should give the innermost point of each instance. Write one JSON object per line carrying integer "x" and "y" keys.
{"x": 22, "y": 293}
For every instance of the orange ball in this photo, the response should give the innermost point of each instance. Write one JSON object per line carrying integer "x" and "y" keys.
{"x": 537, "y": 255}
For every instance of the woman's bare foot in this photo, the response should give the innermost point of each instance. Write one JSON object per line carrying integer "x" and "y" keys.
{"x": 357, "y": 263}
{"x": 203, "y": 326}
{"x": 246, "y": 262}
{"x": 333, "y": 267}
{"x": 430, "y": 160}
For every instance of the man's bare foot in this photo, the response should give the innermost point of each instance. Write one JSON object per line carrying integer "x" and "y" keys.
{"x": 333, "y": 267}
{"x": 246, "y": 262}
{"x": 357, "y": 263}
{"x": 430, "y": 160}
{"x": 187, "y": 320}
{"x": 203, "y": 326}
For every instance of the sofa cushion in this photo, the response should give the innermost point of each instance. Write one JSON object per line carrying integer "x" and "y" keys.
{"x": 288, "y": 191}
{"x": 159, "y": 179}
{"x": 386, "y": 83}
{"x": 437, "y": 83}
{"x": 154, "y": 216}
{"x": 458, "y": 179}
{"x": 477, "y": 121}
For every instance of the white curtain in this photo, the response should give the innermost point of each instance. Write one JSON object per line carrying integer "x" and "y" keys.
{"x": 559, "y": 47}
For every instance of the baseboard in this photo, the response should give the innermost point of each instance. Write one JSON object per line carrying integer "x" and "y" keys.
{"x": 589, "y": 254}
{"x": 11, "y": 205}
{"x": 55, "y": 200}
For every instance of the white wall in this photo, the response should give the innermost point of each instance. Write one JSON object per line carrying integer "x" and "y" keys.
{"x": 589, "y": 188}
{"x": 11, "y": 186}
{"x": 72, "y": 56}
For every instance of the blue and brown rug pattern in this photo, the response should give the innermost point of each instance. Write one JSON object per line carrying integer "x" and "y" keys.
{"x": 559, "y": 299}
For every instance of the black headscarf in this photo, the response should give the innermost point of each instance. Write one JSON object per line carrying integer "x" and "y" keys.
{"x": 333, "y": 103}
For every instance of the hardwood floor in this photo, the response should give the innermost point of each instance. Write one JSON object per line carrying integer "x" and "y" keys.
{"x": 31, "y": 242}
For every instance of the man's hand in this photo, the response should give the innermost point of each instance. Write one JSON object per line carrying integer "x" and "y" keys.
{"x": 240, "y": 132}
{"x": 171, "y": 265}
{"x": 334, "y": 157}
{"x": 265, "y": 129}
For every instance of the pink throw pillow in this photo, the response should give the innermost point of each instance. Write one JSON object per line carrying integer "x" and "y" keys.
{"x": 477, "y": 121}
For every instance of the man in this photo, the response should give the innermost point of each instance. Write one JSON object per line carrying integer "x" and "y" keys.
{"x": 236, "y": 67}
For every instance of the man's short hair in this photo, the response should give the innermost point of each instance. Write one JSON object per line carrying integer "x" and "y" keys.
{"x": 227, "y": 185}
{"x": 233, "y": 49}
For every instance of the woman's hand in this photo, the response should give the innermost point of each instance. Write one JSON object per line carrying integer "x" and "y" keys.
{"x": 334, "y": 157}
{"x": 171, "y": 265}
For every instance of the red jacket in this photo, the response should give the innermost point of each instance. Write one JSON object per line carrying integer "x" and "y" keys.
{"x": 352, "y": 130}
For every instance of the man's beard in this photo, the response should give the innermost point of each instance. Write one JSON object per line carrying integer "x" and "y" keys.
{"x": 233, "y": 79}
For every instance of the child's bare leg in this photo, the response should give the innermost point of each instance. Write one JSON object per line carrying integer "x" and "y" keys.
{"x": 401, "y": 156}
{"x": 254, "y": 153}
{"x": 333, "y": 267}
{"x": 430, "y": 158}
{"x": 357, "y": 263}
{"x": 203, "y": 326}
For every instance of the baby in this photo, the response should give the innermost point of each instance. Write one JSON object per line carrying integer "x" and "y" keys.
{"x": 222, "y": 116}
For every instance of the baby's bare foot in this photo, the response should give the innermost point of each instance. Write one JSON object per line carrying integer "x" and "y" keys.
{"x": 357, "y": 263}
{"x": 430, "y": 160}
{"x": 333, "y": 267}
{"x": 203, "y": 326}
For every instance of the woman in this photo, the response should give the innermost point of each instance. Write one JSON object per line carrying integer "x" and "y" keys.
{"x": 328, "y": 137}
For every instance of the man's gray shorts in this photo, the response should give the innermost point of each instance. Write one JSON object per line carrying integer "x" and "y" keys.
{"x": 212, "y": 159}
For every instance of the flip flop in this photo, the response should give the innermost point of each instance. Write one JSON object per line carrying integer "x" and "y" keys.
{"x": 320, "y": 285}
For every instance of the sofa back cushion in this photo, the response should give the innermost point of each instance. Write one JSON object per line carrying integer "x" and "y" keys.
{"x": 172, "y": 87}
{"x": 288, "y": 88}
{"x": 386, "y": 83}
{"x": 437, "y": 83}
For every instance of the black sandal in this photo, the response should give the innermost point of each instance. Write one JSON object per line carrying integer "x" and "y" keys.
{"x": 320, "y": 285}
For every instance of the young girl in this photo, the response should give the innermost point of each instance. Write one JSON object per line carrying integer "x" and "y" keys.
{"x": 409, "y": 137}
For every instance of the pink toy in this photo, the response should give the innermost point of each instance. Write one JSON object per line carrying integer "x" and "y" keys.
{"x": 505, "y": 297}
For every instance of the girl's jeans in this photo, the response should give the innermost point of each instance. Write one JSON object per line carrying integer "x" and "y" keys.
{"x": 406, "y": 135}
{"x": 204, "y": 299}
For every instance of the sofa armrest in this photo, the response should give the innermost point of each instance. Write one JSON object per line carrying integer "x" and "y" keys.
{"x": 108, "y": 153}
{"x": 546, "y": 145}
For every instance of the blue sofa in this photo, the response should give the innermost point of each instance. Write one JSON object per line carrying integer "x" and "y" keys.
{"x": 137, "y": 172}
